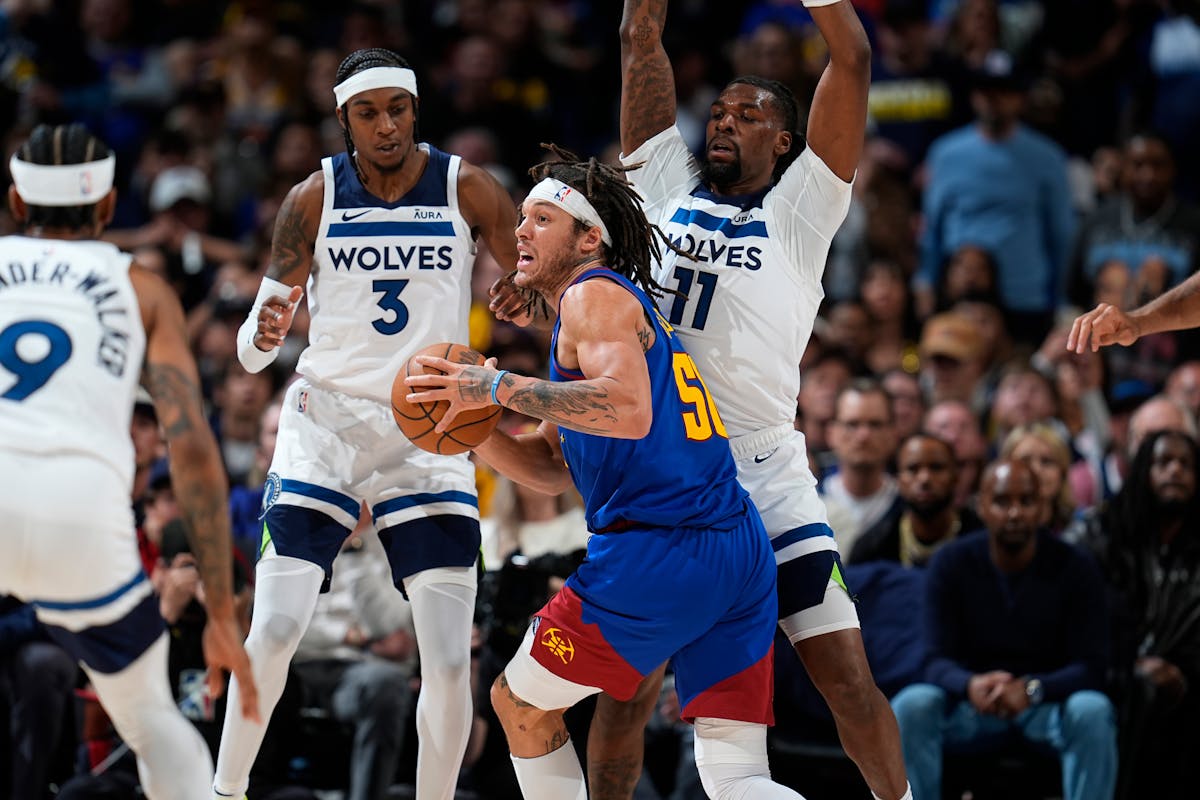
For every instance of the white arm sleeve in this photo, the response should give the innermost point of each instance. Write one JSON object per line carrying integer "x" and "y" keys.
{"x": 806, "y": 208}
{"x": 253, "y": 359}
{"x": 668, "y": 171}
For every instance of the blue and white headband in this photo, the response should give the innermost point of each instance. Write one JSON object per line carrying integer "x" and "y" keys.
{"x": 570, "y": 200}
{"x": 375, "y": 78}
{"x": 63, "y": 184}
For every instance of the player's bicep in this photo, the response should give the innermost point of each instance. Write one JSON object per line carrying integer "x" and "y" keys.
{"x": 295, "y": 232}
{"x": 611, "y": 339}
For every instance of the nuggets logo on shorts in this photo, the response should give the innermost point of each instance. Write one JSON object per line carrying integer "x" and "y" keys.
{"x": 560, "y": 645}
{"x": 271, "y": 491}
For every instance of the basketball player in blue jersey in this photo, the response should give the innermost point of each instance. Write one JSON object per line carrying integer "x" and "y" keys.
{"x": 383, "y": 239}
{"x": 80, "y": 321}
{"x": 757, "y": 218}
{"x": 678, "y": 565}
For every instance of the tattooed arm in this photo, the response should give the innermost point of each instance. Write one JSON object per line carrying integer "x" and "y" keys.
{"x": 197, "y": 475}
{"x": 647, "y": 83}
{"x": 292, "y": 245}
{"x": 604, "y": 334}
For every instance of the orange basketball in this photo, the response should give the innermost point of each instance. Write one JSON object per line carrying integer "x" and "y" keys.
{"x": 417, "y": 420}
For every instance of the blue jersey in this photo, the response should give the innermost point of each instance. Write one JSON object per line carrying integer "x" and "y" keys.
{"x": 681, "y": 474}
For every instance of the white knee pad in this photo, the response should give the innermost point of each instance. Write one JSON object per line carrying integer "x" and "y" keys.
{"x": 731, "y": 757}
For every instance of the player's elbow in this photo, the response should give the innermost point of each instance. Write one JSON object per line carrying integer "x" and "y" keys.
{"x": 636, "y": 421}
{"x": 854, "y": 54}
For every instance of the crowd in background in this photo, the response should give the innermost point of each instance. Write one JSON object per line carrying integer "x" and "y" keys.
{"x": 1025, "y": 159}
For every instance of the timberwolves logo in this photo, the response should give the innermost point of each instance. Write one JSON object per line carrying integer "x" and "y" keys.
{"x": 271, "y": 491}
{"x": 557, "y": 643}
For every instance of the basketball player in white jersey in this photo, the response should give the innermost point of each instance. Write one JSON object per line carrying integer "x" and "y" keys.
{"x": 757, "y": 218}
{"x": 79, "y": 323}
{"x": 383, "y": 239}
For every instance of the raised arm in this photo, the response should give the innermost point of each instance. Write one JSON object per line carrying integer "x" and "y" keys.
{"x": 837, "y": 120}
{"x": 1106, "y": 324}
{"x": 647, "y": 83}
{"x": 197, "y": 474}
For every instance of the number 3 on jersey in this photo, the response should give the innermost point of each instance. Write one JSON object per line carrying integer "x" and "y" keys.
{"x": 390, "y": 302}
{"x": 32, "y": 373}
{"x": 703, "y": 421}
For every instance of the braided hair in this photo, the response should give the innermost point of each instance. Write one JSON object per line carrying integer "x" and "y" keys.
{"x": 785, "y": 103}
{"x": 635, "y": 240}
{"x": 55, "y": 145}
{"x": 356, "y": 62}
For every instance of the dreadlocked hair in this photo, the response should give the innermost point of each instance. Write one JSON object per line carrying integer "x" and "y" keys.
{"x": 785, "y": 102}
{"x": 635, "y": 240}
{"x": 55, "y": 145}
{"x": 356, "y": 62}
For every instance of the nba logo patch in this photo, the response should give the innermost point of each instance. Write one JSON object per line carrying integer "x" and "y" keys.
{"x": 302, "y": 402}
{"x": 561, "y": 194}
{"x": 85, "y": 183}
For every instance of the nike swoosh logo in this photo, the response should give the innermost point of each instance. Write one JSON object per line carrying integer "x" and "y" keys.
{"x": 347, "y": 216}
{"x": 758, "y": 459}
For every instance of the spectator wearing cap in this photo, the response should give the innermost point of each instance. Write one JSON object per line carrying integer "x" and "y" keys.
{"x": 998, "y": 184}
{"x": 953, "y": 360}
{"x": 181, "y": 229}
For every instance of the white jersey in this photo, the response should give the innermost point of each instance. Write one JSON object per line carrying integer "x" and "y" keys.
{"x": 71, "y": 350}
{"x": 755, "y": 287}
{"x": 388, "y": 278}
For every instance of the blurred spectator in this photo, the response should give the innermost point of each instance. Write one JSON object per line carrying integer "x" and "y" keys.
{"x": 37, "y": 682}
{"x": 1015, "y": 648}
{"x": 1023, "y": 396}
{"x": 861, "y": 492}
{"x": 239, "y": 401}
{"x": 970, "y": 271}
{"x": 893, "y": 329}
{"x": 820, "y": 384}
{"x": 1146, "y": 541}
{"x": 913, "y": 99}
{"x": 1159, "y": 413}
{"x": 908, "y": 404}
{"x": 245, "y": 499}
{"x": 149, "y": 448}
{"x": 1173, "y": 60}
{"x": 850, "y": 326}
{"x": 953, "y": 421}
{"x": 1003, "y": 186}
{"x": 1042, "y": 448}
{"x": 356, "y": 658}
{"x": 1183, "y": 386}
{"x": 927, "y": 516}
{"x": 954, "y": 359}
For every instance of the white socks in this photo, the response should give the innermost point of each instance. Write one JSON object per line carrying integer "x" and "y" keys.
{"x": 285, "y": 595}
{"x": 554, "y": 776}
{"x": 907, "y": 793}
{"x": 173, "y": 760}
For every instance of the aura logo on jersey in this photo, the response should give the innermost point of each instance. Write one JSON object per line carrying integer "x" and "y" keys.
{"x": 392, "y": 257}
{"x": 559, "y": 644}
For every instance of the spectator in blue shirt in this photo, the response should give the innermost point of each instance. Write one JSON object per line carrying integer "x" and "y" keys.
{"x": 1002, "y": 186}
{"x": 1017, "y": 647}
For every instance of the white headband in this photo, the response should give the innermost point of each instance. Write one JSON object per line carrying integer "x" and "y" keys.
{"x": 570, "y": 200}
{"x": 62, "y": 184}
{"x": 375, "y": 78}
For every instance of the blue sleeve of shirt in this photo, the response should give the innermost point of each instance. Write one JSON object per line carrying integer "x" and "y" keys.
{"x": 941, "y": 625}
{"x": 933, "y": 210}
{"x": 1059, "y": 215}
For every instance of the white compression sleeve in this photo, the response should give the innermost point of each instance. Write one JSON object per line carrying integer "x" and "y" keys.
{"x": 173, "y": 760}
{"x": 732, "y": 760}
{"x": 253, "y": 359}
{"x": 443, "y": 605}
{"x": 554, "y": 776}
{"x": 285, "y": 595}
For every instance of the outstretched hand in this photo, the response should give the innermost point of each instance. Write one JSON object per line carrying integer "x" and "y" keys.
{"x": 223, "y": 652}
{"x": 1103, "y": 325}
{"x": 511, "y": 303}
{"x": 463, "y": 386}
{"x": 275, "y": 319}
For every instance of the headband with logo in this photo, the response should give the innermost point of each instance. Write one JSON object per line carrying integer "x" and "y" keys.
{"x": 63, "y": 184}
{"x": 375, "y": 78}
{"x": 570, "y": 200}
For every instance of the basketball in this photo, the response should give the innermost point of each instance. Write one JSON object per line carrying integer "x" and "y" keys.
{"x": 417, "y": 420}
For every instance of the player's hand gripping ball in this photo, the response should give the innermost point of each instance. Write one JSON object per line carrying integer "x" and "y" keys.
{"x": 417, "y": 420}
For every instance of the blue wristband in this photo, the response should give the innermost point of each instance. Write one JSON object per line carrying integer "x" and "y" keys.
{"x": 496, "y": 385}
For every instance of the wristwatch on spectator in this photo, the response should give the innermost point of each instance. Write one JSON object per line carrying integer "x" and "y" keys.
{"x": 1034, "y": 691}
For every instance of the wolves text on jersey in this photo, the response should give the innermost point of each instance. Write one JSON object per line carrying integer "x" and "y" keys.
{"x": 392, "y": 257}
